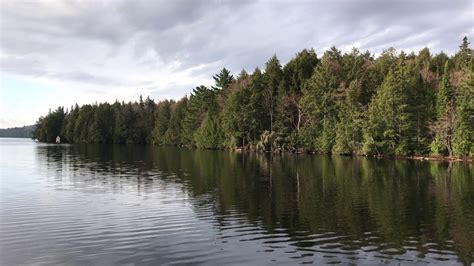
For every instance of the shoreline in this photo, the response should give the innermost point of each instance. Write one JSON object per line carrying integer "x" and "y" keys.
{"x": 304, "y": 152}
{"x": 386, "y": 157}
{"x": 375, "y": 156}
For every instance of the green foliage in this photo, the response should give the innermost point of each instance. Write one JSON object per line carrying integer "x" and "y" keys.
{"x": 51, "y": 126}
{"x": 463, "y": 140}
{"x": 257, "y": 105}
{"x": 319, "y": 100}
{"x": 266, "y": 141}
{"x": 173, "y": 134}
{"x": 344, "y": 103}
{"x": 445, "y": 110}
{"x": 102, "y": 128}
{"x": 349, "y": 136}
{"x": 295, "y": 76}
{"x": 198, "y": 104}
{"x": 463, "y": 57}
{"x": 272, "y": 78}
{"x": 437, "y": 147}
{"x": 162, "y": 121}
{"x": 388, "y": 116}
{"x": 298, "y": 70}
{"x": 238, "y": 117}
{"x": 223, "y": 79}
{"x": 422, "y": 108}
{"x": 210, "y": 135}
{"x": 445, "y": 96}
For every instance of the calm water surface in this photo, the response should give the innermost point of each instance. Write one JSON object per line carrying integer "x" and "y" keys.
{"x": 102, "y": 205}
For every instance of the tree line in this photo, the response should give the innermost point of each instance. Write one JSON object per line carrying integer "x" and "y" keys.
{"x": 17, "y": 132}
{"x": 340, "y": 103}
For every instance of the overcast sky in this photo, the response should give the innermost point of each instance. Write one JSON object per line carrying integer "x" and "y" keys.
{"x": 56, "y": 53}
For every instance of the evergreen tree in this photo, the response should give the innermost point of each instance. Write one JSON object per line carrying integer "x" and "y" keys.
{"x": 173, "y": 134}
{"x": 51, "y": 126}
{"x": 464, "y": 56}
{"x": 261, "y": 118}
{"x": 210, "y": 134}
{"x": 197, "y": 107}
{"x": 238, "y": 116}
{"x": 162, "y": 122}
{"x": 83, "y": 122}
{"x": 70, "y": 123}
{"x": 438, "y": 63}
{"x": 349, "y": 135}
{"x": 102, "y": 127}
{"x": 120, "y": 126}
{"x": 149, "y": 118}
{"x": 295, "y": 75}
{"x": 223, "y": 79}
{"x": 272, "y": 78}
{"x": 421, "y": 106}
{"x": 318, "y": 103}
{"x": 445, "y": 108}
{"x": 463, "y": 139}
{"x": 386, "y": 131}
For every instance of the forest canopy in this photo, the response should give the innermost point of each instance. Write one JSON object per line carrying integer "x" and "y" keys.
{"x": 342, "y": 103}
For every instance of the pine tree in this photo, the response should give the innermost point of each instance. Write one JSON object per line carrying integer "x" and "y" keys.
{"x": 349, "y": 136}
{"x": 70, "y": 122}
{"x": 421, "y": 106}
{"x": 295, "y": 75}
{"x": 272, "y": 77}
{"x": 445, "y": 108}
{"x": 197, "y": 107}
{"x": 464, "y": 56}
{"x": 223, "y": 79}
{"x": 386, "y": 131}
{"x": 463, "y": 139}
{"x": 50, "y": 126}
{"x": 162, "y": 122}
{"x": 149, "y": 119}
{"x": 318, "y": 102}
{"x": 173, "y": 134}
{"x": 238, "y": 116}
{"x": 102, "y": 124}
{"x": 210, "y": 134}
{"x": 261, "y": 118}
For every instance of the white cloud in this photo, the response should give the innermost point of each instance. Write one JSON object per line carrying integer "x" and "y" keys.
{"x": 101, "y": 51}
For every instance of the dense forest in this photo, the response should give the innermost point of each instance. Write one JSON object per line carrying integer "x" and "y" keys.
{"x": 17, "y": 132}
{"x": 340, "y": 103}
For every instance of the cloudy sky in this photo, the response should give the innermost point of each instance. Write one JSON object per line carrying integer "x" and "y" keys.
{"x": 56, "y": 52}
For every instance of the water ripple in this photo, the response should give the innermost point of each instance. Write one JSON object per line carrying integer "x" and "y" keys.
{"x": 61, "y": 205}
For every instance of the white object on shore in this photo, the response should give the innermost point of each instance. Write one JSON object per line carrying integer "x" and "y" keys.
{"x": 58, "y": 139}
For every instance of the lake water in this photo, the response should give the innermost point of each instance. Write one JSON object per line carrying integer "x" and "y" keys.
{"x": 135, "y": 205}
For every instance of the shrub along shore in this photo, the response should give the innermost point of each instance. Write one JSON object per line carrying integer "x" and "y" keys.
{"x": 399, "y": 105}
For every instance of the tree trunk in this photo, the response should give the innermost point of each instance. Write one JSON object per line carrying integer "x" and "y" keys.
{"x": 271, "y": 121}
{"x": 299, "y": 120}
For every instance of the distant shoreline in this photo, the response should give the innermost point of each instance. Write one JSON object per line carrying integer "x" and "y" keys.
{"x": 17, "y": 132}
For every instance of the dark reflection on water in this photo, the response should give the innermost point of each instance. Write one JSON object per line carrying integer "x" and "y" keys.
{"x": 64, "y": 204}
